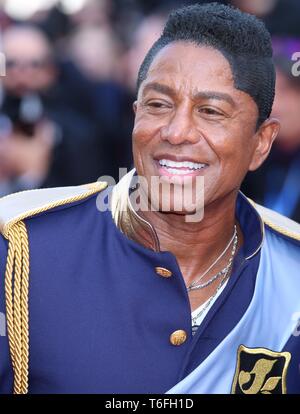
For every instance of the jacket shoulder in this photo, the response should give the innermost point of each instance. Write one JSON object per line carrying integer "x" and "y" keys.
{"x": 25, "y": 204}
{"x": 279, "y": 223}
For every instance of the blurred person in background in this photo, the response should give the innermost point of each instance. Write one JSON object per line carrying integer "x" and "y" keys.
{"x": 146, "y": 33}
{"x": 95, "y": 50}
{"x": 276, "y": 184}
{"x": 94, "y": 12}
{"x": 44, "y": 141}
{"x": 102, "y": 70}
{"x": 260, "y": 8}
{"x": 280, "y": 16}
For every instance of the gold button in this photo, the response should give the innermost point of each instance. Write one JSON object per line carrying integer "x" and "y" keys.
{"x": 178, "y": 337}
{"x": 163, "y": 272}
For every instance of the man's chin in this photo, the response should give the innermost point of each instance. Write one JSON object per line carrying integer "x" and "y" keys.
{"x": 189, "y": 216}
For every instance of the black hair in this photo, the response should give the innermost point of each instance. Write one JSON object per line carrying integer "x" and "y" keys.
{"x": 242, "y": 38}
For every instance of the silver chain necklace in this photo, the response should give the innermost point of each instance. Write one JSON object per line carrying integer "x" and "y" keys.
{"x": 195, "y": 284}
{"x": 196, "y": 317}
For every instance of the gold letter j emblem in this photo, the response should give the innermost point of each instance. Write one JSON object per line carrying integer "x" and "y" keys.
{"x": 260, "y": 371}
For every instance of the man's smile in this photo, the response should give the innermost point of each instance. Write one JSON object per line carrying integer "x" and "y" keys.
{"x": 170, "y": 166}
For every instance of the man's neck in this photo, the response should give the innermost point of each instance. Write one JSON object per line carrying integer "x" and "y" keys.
{"x": 196, "y": 245}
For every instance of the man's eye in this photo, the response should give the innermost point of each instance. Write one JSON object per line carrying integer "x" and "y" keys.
{"x": 156, "y": 104}
{"x": 157, "y": 107}
{"x": 210, "y": 111}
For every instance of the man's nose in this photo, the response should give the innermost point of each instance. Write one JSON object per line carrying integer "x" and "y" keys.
{"x": 180, "y": 128}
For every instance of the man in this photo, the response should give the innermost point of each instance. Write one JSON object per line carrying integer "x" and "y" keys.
{"x": 110, "y": 300}
{"x": 43, "y": 137}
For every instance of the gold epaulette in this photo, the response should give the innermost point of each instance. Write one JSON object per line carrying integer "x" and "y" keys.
{"x": 14, "y": 209}
{"x": 279, "y": 223}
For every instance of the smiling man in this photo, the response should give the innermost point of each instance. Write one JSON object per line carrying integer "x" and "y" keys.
{"x": 140, "y": 298}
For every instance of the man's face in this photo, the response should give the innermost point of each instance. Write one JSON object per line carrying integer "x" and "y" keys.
{"x": 27, "y": 63}
{"x": 188, "y": 111}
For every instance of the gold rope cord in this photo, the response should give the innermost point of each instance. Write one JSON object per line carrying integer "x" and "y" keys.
{"x": 92, "y": 189}
{"x": 269, "y": 222}
{"x": 282, "y": 230}
{"x": 16, "y": 291}
{"x": 8, "y": 295}
{"x": 17, "y": 285}
{"x": 24, "y": 305}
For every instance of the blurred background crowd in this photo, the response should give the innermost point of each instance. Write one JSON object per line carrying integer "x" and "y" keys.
{"x": 66, "y": 99}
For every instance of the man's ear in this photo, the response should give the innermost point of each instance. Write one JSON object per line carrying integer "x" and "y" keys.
{"x": 134, "y": 106}
{"x": 265, "y": 137}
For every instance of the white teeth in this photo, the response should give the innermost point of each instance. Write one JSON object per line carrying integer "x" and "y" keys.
{"x": 183, "y": 164}
{"x": 175, "y": 171}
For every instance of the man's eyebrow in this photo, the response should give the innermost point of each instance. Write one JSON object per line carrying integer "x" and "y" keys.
{"x": 158, "y": 87}
{"x": 167, "y": 90}
{"x": 221, "y": 96}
